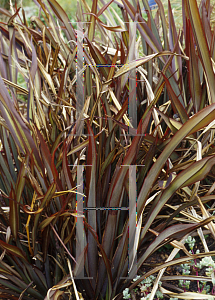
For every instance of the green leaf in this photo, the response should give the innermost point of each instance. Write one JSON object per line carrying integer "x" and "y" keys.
{"x": 91, "y": 29}
{"x": 61, "y": 14}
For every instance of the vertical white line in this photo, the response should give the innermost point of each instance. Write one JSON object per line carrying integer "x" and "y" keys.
{"x": 132, "y": 221}
{"x": 80, "y": 78}
{"x": 80, "y": 236}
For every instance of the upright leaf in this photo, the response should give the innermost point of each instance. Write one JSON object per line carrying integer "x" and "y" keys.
{"x": 202, "y": 45}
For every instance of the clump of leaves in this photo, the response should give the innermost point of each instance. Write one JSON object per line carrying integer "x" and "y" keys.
{"x": 114, "y": 111}
{"x": 145, "y": 287}
{"x": 204, "y": 266}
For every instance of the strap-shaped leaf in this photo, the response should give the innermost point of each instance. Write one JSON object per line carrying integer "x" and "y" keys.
{"x": 202, "y": 45}
{"x": 12, "y": 249}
